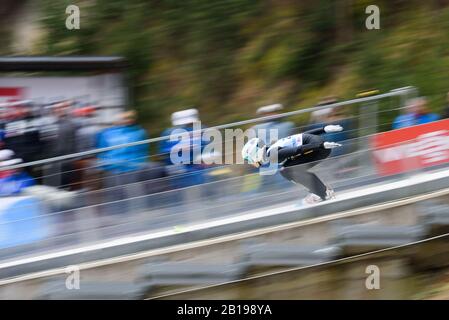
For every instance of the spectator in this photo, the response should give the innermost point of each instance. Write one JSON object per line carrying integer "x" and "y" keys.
{"x": 342, "y": 167}
{"x": 335, "y": 116}
{"x": 62, "y": 142}
{"x": 65, "y": 130}
{"x": 189, "y": 173}
{"x": 5, "y": 155}
{"x": 338, "y": 116}
{"x": 21, "y": 135}
{"x": 12, "y": 181}
{"x": 318, "y": 118}
{"x": 126, "y": 159}
{"x": 416, "y": 113}
{"x": 87, "y": 131}
{"x": 322, "y": 117}
{"x": 123, "y": 167}
{"x": 284, "y": 128}
{"x": 85, "y": 140}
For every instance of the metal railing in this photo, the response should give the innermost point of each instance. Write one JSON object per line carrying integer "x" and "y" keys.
{"x": 401, "y": 92}
{"x": 120, "y": 210}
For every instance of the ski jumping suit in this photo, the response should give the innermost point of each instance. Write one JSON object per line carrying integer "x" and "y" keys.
{"x": 299, "y": 153}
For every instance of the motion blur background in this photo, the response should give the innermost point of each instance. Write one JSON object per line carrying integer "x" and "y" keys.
{"x": 228, "y": 58}
{"x": 137, "y": 70}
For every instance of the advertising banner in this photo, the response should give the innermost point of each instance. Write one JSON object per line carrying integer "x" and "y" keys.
{"x": 8, "y": 94}
{"x": 411, "y": 148}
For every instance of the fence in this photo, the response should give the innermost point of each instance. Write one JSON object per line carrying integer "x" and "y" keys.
{"x": 148, "y": 200}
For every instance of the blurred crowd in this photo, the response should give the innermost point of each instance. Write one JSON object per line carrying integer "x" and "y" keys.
{"x": 417, "y": 112}
{"x": 30, "y": 133}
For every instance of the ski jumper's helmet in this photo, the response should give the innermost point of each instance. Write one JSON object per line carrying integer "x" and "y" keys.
{"x": 253, "y": 151}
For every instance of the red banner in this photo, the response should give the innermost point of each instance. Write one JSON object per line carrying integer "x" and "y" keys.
{"x": 8, "y": 94}
{"x": 411, "y": 148}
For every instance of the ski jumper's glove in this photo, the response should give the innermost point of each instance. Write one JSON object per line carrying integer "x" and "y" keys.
{"x": 331, "y": 145}
{"x": 333, "y": 128}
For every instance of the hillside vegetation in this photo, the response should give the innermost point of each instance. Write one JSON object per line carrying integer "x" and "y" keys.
{"x": 228, "y": 57}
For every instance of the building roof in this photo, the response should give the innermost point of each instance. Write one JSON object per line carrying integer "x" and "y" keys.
{"x": 62, "y": 63}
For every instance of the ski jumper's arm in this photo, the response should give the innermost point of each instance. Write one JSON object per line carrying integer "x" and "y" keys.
{"x": 285, "y": 153}
{"x": 316, "y": 131}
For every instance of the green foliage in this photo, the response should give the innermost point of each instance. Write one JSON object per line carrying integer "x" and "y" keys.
{"x": 229, "y": 57}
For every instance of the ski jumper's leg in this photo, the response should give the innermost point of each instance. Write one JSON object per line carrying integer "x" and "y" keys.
{"x": 297, "y": 171}
{"x": 300, "y": 174}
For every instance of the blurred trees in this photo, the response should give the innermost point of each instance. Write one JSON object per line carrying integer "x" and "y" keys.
{"x": 229, "y": 57}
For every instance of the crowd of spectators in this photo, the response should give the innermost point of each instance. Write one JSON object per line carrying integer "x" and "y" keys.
{"x": 29, "y": 133}
{"x": 120, "y": 180}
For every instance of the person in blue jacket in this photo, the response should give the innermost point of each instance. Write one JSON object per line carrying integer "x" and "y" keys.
{"x": 126, "y": 159}
{"x": 12, "y": 182}
{"x": 125, "y": 169}
{"x": 190, "y": 173}
{"x": 416, "y": 113}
